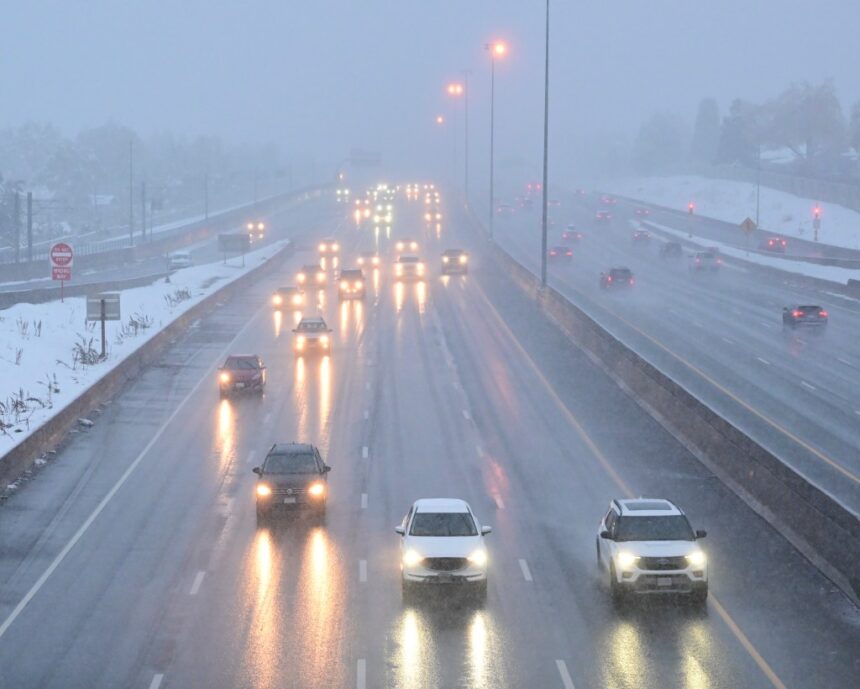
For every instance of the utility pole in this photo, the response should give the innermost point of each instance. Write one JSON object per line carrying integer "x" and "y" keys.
{"x": 543, "y": 223}
{"x": 29, "y": 225}
{"x": 131, "y": 192}
{"x": 143, "y": 210}
{"x": 17, "y": 224}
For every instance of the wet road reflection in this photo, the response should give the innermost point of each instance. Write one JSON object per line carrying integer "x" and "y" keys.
{"x": 225, "y": 440}
{"x": 277, "y": 322}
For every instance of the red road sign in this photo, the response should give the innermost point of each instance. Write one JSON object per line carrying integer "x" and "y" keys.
{"x": 62, "y": 256}
{"x": 61, "y": 273}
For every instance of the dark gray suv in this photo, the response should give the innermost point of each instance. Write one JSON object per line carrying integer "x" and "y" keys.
{"x": 293, "y": 476}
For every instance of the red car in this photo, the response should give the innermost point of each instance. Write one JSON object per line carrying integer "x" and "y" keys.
{"x": 644, "y": 212}
{"x": 557, "y": 253}
{"x": 608, "y": 200}
{"x": 774, "y": 244}
{"x": 242, "y": 373}
{"x": 571, "y": 234}
{"x": 641, "y": 237}
{"x": 603, "y": 216}
{"x": 617, "y": 277}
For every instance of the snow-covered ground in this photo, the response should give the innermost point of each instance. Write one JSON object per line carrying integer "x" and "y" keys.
{"x": 44, "y": 347}
{"x": 731, "y": 201}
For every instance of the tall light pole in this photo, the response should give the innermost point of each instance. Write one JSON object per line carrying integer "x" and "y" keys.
{"x": 455, "y": 90}
{"x": 466, "y": 74}
{"x": 543, "y": 222}
{"x": 497, "y": 49}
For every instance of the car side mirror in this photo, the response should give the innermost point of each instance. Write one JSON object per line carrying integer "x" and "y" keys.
{"x": 605, "y": 534}
{"x": 486, "y": 530}
{"x": 785, "y": 308}
{"x": 326, "y": 469}
{"x": 701, "y": 533}
{"x": 401, "y": 530}
{"x": 257, "y": 471}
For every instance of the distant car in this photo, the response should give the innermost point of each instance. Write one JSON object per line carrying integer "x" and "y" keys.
{"x": 647, "y": 547}
{"x": 608, "y": 200}
{"x": 641, "y": 237}
{"x": 433, "y": 216}
{"x": 554, "y": 203}
{"x": 455, "y": 261}
{"x": 705, "y": 261}
{"x": 558, "y": 253}
{"x": 312, "y": 335}
{"x": 603, "y": 216}
{"x": 329, "y": 246}
{"x": 671, "y": 250}
{"x": 774, "y": 244}
{"x": 179, "y": 259}
{"x": 528, "y": 204}
{"x": 642, "y": 211}
{"x": 311, "y": 274}
{"x": 409, "y": 267}
{"x": 506, "y": 209}
{"x": 288, "y": 298}
{"x": 617, "y": 278}
{"x": 256, "y": 229}
{"x": 442, "y": 544}
{"x": 571, "y": 234}
{"x": 293, "y": 476}
{"x": 368, "y": 259}
{"x": 242, "y": 373}
{"x": 351, "y": 284}
{"x": 406, "y": 245}
{"x": 793, "y": 316}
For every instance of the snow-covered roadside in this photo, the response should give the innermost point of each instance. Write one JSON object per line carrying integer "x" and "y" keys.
{"x": 729, "y": 201}
{"x": 829, "y": 273}
{"x": 49, "y": 353}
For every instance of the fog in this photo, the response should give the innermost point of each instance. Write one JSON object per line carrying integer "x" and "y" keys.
{"x": 319, "y": 78}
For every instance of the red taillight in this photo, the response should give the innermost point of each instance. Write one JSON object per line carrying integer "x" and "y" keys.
{"x": 608, "y": 278}
{"x": 632, "y": 281}
{"x": 796, "y": 313}
{"x": 822, "y": 313}
{"x": 570, "y": 253}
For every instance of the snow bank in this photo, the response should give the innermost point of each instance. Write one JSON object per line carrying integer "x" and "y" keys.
{"x": 49, "y": 353}
{"x": 730, "y": 201}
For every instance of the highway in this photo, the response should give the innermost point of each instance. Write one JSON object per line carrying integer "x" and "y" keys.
{"x": 133, "y": 559}
{"x": 720, "y": 334}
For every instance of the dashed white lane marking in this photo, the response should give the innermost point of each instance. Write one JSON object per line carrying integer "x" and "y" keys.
{"x": 267, "y": 417}
{"x": 727, "y": 340}
{"x": 697, "y": 324}
{"x": 364, "y": 501}
{"x": 366, "y": 414}
{"x": 764, "y": 361}
{"x": 361, "y": 674}
{"x": 364, "y": 452}
{"x": 808, "y": 386}
{"x": 844, "y": 361}
{"x": 500, "y": 504}
{"x": 524, "y": 566}
{"x": 195, "y": 587}
{"x": 466, "y": 415}
{"x": 672, "y": 311}
{"x": 157, "y": 679}
{"x": 479, "y": 450}
{"x": 362, "y": 571}
{"x": 251, "y": 455}
{"x": 857, "y": 411}
{"x": 565, "y": 675}
{"x": 767, "y": 325}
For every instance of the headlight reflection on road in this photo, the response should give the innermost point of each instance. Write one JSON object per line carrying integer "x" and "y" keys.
{"x": 697, "y": 651}
{"x": 278, "y": 322}
{"x": 399, "y": 293}
{"x": 343, "y": 314}
{"x": 226, "y": 438}
{"x": 628, "y": 665}
{"x": 297, "y": 317}
{"x": 477, "y": 651}
{"x": 415, "y": 645}
{"x": 325, "y": 393}
{"x": 264, "y": 627}
{"x": 421, "y": 294}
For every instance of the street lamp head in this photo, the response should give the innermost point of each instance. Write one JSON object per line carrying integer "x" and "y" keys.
{"x": 498, "y": 49}
{"x": 440, "y": 119}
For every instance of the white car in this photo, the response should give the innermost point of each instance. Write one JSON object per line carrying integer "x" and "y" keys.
{"x": 179, "y": 259}
{"x": 409, "y": 267}
{"x": 647, "y": 546}
{"x": 442, "y": 544}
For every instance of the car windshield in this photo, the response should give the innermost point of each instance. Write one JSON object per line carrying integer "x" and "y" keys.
{"x": 668, "y": 528}
{"x": 443, "y": 524}
{"x": 241, "y": 364}
{"x": 350, "y": 274}
{"x": 312, "y": 326}
{"x": 809, "y": 309}
{"x": 408, "y": 259}
{"x": 620, "y": 274}
{"x": 311, "y": 269}
{"x": 291, "y": 463}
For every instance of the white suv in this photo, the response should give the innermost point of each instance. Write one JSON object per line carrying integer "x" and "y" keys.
{"x": 647, "y": 546}
{"x": 442, "y": 543}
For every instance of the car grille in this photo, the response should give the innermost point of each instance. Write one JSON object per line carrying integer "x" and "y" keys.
{"x": 288, "y": 491}
{"x": 662, "y": 563}
{"x": 444, "y": 564}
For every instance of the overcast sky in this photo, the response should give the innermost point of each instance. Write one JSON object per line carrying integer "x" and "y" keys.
{"x": 322, "y": 76}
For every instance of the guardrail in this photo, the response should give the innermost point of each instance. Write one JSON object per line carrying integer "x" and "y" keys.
{"x": 822, "y": 529}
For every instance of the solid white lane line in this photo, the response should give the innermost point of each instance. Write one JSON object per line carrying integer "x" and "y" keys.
{"x": 565, "y": 675}
{"x": 524, "y": 566}
{"x": 466, "y": 415}
{"x": 365, "y": 452}
{"x": 764, "y": 361}
{"x": 767, "y": 325}
{"x": 500, "y": 504}
{"x": 251, "y": 456}
{"x": 808, "y": 386}
{"x": 697, "y": 324}
{"x": 195, "y": 587}
{"x": 844, "y": 361}
{"x": 364, "y": 501}
{"x": 362, "y": 571}
{"x": 157, "y": 679}
{"x": 361, "y": 674}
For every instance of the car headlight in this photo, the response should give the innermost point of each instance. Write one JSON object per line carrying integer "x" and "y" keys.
{"x": 224, "y": 377}
{"x": 297, "y": 299}
{"x": 420, "y": 267}
{"x": 322, "y": 247}
{"x": 277, "y": 300}
{"x": 324, "y": 340}
{"x": 263, "y": 490}
{"x": 398, "y": 269}
{"x": 412, "y": 558}
{"x": 335, "y": 247}
{"x": 317, "y": 489}
{"x": 261, "y": 226}
{"x": 375, "y": 260}
{"x": 444, "y": 259}
{"x": 300, "y": 342}
{"x": 359, "y": 284}
{"x": 301, "y": 277}
{"x": 464, "y": 259}
{"x": 697, "y": 559}
{"x": 414, "y": 246}
{"x": 479, "y": 557}
{"x": 626, "y": 560}
{"x": 344, "y": 284}
{"x": 320, "y": 277}
{"x": 399, "y": 246}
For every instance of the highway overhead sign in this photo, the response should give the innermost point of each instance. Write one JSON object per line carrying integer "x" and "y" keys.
{"x": 748, "y": 226}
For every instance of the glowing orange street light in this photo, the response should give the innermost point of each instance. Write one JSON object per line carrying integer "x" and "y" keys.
{"x": 498, "y": 48}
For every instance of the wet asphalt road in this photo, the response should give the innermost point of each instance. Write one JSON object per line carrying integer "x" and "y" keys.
{"x": 139, "y": 555}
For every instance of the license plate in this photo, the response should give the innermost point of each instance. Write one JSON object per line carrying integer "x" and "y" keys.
{"x": 240, "y": 385}
{"x": 664, "y": 581}
{"x": 444, "y": 578}
{"x": 291, "y": 501}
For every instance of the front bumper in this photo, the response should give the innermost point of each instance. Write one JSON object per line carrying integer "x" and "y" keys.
{"x": 422, "y": 575}
{"x": 663, "y": 581}
{"x": 455, "y": 268}
{"x": 351, "y": 293}
{"x": 237, "y": 387}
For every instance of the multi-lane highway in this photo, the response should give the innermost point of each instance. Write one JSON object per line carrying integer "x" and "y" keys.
{"x": 134, "y": 558}
{"x": 721, "y": 335}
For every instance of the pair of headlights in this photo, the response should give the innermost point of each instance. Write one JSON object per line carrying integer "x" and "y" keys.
{"x": 627, "y": 560}
{"x": 316, "y": 490}
{"x": 411, "y": 558}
